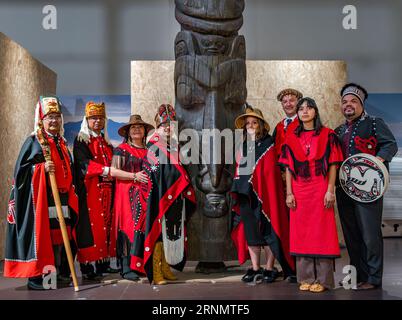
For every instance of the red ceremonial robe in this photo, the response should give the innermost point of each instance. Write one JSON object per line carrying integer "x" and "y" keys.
{"x": 171, "y": 186}
{"x": 30, "y": 235}
{"x": 95, "y": 230}
{"x": 313, "y": 230}
{"x": 130, "y": 203}
{"x": 265, "y": 182}
{"x": 280, "y": 133}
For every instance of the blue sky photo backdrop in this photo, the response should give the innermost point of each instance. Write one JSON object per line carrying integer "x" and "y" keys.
{"x": 118, "y": 107}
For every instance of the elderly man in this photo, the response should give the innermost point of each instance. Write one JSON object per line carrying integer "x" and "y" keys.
{"x": 92, "y": 160}
{"x": 361, "y": 222}
{"x": 34, "y": 244}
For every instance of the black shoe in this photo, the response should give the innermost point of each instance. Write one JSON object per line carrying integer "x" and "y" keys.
{"x": 292, "y": 279}
{"x": 270, "y": 276}
{"x": 63, "y": 278}
{"x": 88, "y": 271}
{"x": 91, "y": 275}
{"x": 104, "y": 267}
{"x": 35, "y": 283}
{"x": 132, "y": 276}
{"x": 110, "y": 270}
{"x": 251, "y": 275}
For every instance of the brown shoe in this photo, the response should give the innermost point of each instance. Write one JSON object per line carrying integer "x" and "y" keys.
{"x": 304, "y": 286}
{"x": 166, "y": 272}
{"x": 366, "y": 286}
{"x": 157, "y": 265}
{"x": 317, "y": 288}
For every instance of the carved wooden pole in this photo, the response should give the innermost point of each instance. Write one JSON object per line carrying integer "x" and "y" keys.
{"x": 210, "y": 89}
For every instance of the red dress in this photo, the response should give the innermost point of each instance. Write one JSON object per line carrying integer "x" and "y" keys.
{"x": 130, "y": 202}
{"x": 313, "y": 230}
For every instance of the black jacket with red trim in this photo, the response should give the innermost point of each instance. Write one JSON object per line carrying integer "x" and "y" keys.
{"x": 171, "y": 185}
{"x": 28, "y": 239}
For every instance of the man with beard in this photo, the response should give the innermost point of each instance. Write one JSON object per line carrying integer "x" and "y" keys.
{"x": 361, "y": 222}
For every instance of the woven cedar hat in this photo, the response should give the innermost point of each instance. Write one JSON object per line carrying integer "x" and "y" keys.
{"x": 288, "y": 91}
{"x": 134, "y": 119}
{"x": 250, "y": 112}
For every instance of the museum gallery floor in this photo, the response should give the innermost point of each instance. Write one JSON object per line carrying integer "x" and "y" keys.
{"x": 225, "y": 286}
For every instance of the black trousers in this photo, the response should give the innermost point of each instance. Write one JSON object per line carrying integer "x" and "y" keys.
{"x": 361, "y": 224}
{"x": 256, "y": 227}
{"x": 61, "y": 260}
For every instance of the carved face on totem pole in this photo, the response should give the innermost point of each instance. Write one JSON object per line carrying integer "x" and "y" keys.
{"x": 210, "y": 84}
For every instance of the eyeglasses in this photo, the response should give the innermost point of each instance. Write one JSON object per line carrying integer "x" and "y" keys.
{"x": 52, "y": 118}
{"x": 96, "y": 118}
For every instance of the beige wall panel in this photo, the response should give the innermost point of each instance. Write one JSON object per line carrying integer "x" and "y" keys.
{"x": 320, "y": 80}
{"x": 22, "y": 80}
{"x": 152, "y": 84}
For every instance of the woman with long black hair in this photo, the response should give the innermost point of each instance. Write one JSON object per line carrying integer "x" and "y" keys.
{"x": 131, "y": 196}
{"x": 311, "y": 154}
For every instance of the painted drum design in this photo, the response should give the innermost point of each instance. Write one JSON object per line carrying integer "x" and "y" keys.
{"x": 363, "y": 177}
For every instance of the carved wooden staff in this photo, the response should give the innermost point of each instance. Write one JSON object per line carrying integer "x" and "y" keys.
{"x": 55, "y": 191}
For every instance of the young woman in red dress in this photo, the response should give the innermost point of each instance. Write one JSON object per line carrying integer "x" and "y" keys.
{"x": 311, "y": 154}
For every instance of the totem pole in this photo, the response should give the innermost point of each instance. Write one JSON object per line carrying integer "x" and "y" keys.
{"x": 210, "y": 89}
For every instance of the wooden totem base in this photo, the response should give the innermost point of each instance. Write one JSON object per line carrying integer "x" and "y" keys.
{"x": 210, "y": 267}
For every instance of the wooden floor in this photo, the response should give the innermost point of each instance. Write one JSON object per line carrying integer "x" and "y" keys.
{"x": 225, "y": 286}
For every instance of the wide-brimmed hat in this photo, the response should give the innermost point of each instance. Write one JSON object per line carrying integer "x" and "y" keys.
{"x": 250, "y": 112}
{"x": 134, "y": 119}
